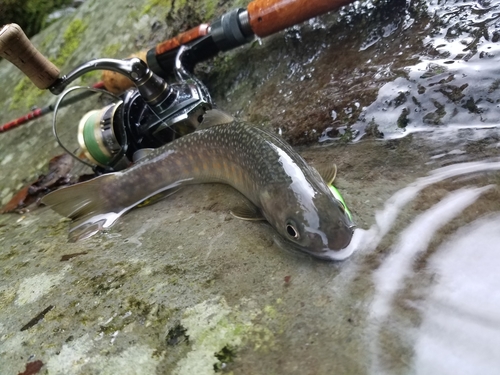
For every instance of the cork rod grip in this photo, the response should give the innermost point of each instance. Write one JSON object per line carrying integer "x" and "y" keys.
{"x": 16, "y": 47}
{"x": 270, "y": 16}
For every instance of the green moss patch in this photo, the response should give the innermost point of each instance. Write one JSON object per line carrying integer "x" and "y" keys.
{"x": 71, "y": 40}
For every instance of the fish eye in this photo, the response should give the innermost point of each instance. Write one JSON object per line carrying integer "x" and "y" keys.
{"x": 292, "y": 231}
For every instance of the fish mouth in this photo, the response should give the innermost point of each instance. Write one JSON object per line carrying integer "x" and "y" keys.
{"x": 346, "y": 249}
{"x": 325, "y": 253}
{"x": 329, "y": 254}
{"x": 352, "y": 245}
{"x": 343, "y": 240}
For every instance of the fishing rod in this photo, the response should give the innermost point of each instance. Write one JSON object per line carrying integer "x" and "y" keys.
{"x": 49, "y": 108}
{"x": 237, "y": 27}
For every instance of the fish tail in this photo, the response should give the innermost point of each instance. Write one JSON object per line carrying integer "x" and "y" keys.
{"x": 85, "y": 204}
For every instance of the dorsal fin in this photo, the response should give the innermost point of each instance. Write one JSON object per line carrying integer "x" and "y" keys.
{"x": 328, "y": 173}
{"x": 215, "y": 117}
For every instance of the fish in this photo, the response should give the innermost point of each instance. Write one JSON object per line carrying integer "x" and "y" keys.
{"x": 280, "y": 186}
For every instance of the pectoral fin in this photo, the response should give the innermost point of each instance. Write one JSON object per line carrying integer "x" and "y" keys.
{"x": 158, "y": 197}
{"x": 247, "y": 213}
{"x": 328, "y": 173}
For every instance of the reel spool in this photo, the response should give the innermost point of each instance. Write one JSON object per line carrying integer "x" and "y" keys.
{"x": 149, "y": 116}
{"x": 97, "y": 136}
{"x": 101, "y": 135}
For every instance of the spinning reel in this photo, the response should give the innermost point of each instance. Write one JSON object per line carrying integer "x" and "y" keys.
{"x": 149, "y": 115}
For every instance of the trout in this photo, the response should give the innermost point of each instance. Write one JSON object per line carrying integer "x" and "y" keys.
{"x": 284, "y": 190}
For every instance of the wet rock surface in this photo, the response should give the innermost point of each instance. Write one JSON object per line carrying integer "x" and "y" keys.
{"x": 403, "y": 97}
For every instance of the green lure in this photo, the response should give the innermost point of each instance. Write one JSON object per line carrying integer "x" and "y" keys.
{"x": 337, "y": 195}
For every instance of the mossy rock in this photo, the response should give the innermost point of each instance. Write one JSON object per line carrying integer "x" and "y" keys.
{"x": 31, "y": 15}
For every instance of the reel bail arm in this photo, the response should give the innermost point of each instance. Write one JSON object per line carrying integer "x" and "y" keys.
{"x": 151, "y": 87}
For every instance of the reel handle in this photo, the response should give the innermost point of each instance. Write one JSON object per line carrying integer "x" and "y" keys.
{"x": 17, "y": 48}
{"x": 117, "y": 83}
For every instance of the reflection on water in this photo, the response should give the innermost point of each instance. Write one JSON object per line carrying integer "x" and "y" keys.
{"x": 446, "y": 314}
{"x": 455, "y": 80}
{"x": 444, "y": 71}
{"x": 460, "y": 330}
{"x": 413, "y": 240}
{"x": 385, "y": 218}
